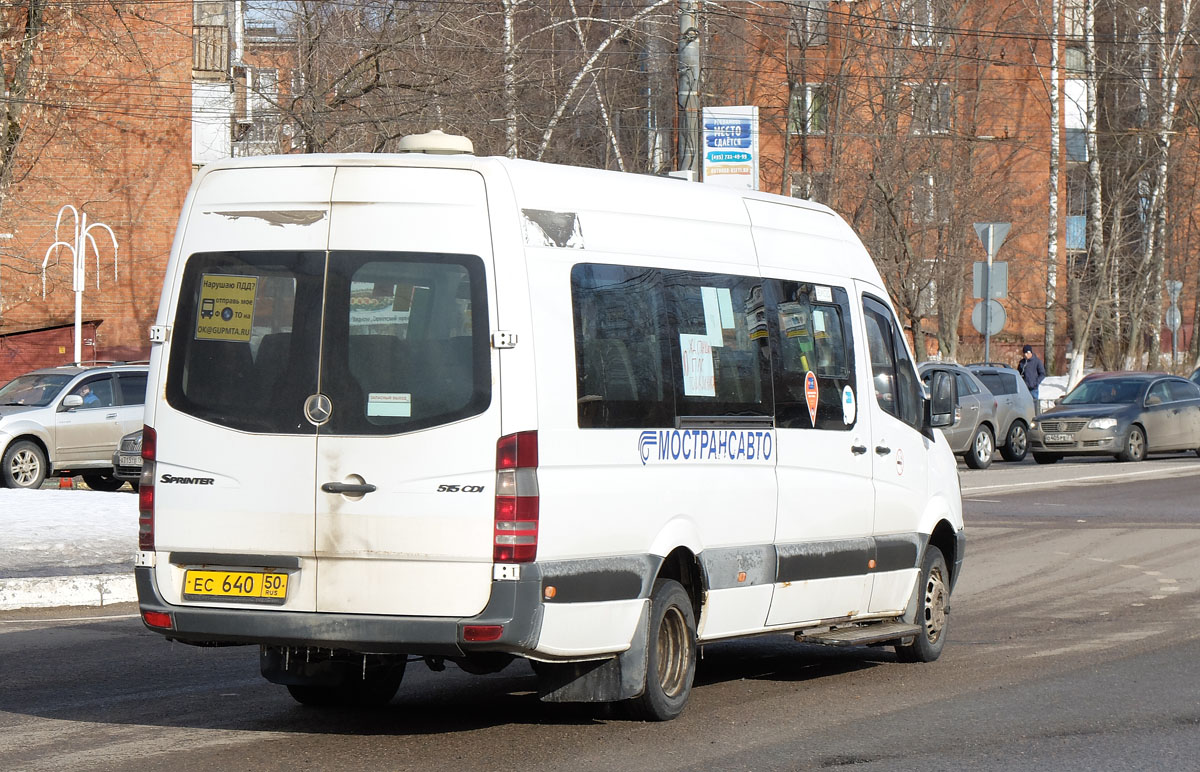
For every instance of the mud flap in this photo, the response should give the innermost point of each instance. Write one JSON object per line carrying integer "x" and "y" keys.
{"x": 622, "y": 677}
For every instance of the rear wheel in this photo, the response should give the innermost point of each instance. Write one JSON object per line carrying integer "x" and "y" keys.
{"x": 983, "y": 447}
{"x": 1135, "y": 445}
{"x": 102, "y": 481}
{"x": 376, "y": 689}
{"x": 1016, "y": 445}
{"x": 24, "y": 465}
{"x": 1047, "y": 458}
{"x": 933, "y": 605}
{"x": 671, "y": 659}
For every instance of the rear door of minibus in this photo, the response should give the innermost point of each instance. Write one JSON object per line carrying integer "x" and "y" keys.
{"x": 405, "y": 462}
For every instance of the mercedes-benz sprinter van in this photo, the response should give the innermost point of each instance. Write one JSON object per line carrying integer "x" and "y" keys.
{"x": 448, "y": 407}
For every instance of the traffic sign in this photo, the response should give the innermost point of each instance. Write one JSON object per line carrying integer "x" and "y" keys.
{"x": 1174, "y": 318}
{"x": 996, "y": 317}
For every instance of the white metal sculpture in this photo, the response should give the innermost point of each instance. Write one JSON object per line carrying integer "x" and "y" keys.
{"x": 78, "y": 249}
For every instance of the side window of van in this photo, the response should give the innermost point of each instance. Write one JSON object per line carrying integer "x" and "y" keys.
{"x": 896, "y": 386}
{"x": 621, "y": 361}
{"x": 719, "y": 332}
{"x": 810, "y": 330}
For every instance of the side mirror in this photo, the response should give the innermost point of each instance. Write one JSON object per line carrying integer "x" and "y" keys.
{"x": 943, "y": 400}
{"x": 71, "y": 401}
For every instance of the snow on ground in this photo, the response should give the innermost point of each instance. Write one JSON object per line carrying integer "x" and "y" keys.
{"x": 52, "y": 532}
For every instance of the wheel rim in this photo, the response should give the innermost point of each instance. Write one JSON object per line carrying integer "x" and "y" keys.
{"x": 1018, "y": 441}
{"x": 672, "y": 652}
{"x": 24, "y": 467}
{"x": 935, "y": 605}
{"x": 983, "y": 447}
{"x": 1137, "y": 445}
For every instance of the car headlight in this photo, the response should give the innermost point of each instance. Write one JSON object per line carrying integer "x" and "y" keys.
{"x": 1102, "y": 423}
{"x": 1033, "y": 424}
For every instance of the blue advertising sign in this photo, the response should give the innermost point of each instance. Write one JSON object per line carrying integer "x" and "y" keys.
{"x": 731, "y": 146}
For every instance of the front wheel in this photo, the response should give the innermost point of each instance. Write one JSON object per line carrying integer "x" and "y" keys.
{"x": 933, "y": 605}
{"x": 103, "y": 481}
{"x": 983, "y": 447}
{"x": 1016, "y": 446}
{"x": 671, "y": 658}
{"x": 1135, "y": 445}
{"x": 24, "y": 465}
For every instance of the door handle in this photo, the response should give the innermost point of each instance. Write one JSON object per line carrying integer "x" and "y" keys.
{"x": 111, "y": 416}
{"x": 858, "y": 450}
{"x": 349, "y": 488}
{"x": 882, "y": 450}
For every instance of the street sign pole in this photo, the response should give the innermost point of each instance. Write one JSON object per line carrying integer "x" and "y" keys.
{"x": 992, "y": 234}
{"x": 1174, "y": 289}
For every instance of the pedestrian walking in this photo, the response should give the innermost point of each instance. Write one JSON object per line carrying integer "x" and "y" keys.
{"x": 1033, "y": 372}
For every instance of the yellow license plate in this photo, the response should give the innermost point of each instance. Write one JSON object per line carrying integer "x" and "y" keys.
{"x": 235, "y": 584}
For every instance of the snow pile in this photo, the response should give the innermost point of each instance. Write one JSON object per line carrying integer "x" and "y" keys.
{"x": 66, "y": 532}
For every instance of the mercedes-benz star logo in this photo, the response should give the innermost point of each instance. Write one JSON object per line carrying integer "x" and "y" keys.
{"x": 317, "y": 409}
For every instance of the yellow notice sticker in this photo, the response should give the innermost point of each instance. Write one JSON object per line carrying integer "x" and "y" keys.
{"x": 226, "y": 307}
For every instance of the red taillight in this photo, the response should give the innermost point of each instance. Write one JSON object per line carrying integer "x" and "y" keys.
{"x": 516, "y": 518}
{"x": 157, "y": 619}
{"x": 482, "y": 632}
{"x": 146, "y": 494}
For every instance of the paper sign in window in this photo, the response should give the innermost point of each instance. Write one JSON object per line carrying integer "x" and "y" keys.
{"x": 698, "y": 372}
{"x": 712, "y": 316}
{"x": 389, "y": 404}
{"x": 226, "y": 307}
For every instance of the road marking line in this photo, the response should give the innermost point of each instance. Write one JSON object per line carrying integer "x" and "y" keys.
{"x": 1031, "y": 484}
{"x": 68, "y": 619}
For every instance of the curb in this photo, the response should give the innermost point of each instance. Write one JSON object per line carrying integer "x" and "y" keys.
{"x": 52, "y": 591}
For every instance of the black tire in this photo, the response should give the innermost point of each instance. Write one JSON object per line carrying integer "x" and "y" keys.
{"x": 102, "y": 481}
{"x": 1135, "y": 445}
{"x": 1016, "y": 444}
{"x": 376, "y": 690}
{"x": 933, "y": 605}
{"x": 24, "y": 465}
{"x": 1047, "y": 458}
{"x": 983, "y": 448}
{"x": 670, "y": 656}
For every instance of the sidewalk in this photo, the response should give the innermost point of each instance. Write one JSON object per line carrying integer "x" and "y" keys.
{"x": 66, "y": 547}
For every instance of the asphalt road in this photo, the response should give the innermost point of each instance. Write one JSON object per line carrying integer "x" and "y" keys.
{"x": 1074, "y": 644}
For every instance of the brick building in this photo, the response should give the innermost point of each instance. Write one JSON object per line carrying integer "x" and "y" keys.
{"x": 918, "y": 118}
{"x": 107, "y": 132}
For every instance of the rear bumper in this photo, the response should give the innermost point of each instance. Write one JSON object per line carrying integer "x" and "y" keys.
{"x": 514, "y": 605}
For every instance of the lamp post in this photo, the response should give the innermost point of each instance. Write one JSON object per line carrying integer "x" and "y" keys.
{"x": 78, "y": 249}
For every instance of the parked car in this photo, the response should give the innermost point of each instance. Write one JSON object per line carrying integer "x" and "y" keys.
{"x": 66, "y": 421}
{"x": 1195, "y": 376}
{"x": 127, "y": 460}
{"x": 973, "y": 435}
{"x": 1127, "y": 415}
{"x": 1015, "y": 407}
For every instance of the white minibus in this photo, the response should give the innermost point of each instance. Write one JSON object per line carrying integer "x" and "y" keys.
{"x": 433, "y": 406}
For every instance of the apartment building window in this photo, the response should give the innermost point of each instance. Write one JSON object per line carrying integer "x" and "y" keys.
{"x": 927, "y": 206}
{"x": 1073, "y": 18}
{"x": 1074, "y": 60}
{"x": 808, "y": 112}
{"x": 933, "y": 108}
{"x": 810, "y": 23}
{"x": 266, "y": 88}
{"x": 811, "y": 186}
{"x": 926, "y": 22}
{"x": 1077, "y": 192}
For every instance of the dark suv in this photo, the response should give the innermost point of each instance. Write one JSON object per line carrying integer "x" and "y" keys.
{"x": 64, "y": 421}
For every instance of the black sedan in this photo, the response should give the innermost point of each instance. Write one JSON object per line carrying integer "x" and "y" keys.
{"x": 1126, "y": 415}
